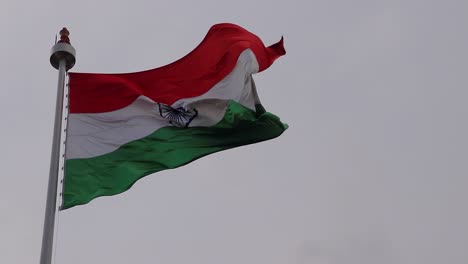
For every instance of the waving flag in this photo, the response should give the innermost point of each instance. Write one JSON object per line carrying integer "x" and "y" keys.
{"x": 122, "y": 127}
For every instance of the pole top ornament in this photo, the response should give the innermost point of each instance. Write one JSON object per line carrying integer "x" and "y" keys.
{"x": 64, "y": 33}
{"x": 63, "y": 50}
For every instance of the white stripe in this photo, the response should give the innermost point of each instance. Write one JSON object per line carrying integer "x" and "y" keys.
{"x": 91, "y": 135}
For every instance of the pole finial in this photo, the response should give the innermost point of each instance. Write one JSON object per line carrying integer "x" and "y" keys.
{"x": 63, "y": 50}
{"x": 64, "y": 33}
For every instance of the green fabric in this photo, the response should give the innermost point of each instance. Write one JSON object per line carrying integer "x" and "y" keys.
{"x": 166, "y": 148}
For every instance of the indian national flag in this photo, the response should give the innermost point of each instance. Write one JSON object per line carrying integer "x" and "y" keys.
{"x": 122, "y": 127}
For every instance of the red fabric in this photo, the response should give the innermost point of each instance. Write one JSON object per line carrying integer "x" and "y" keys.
{"x": 193, "y": 75}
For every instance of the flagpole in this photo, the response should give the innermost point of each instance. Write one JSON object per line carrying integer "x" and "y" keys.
{"x": 62, "y": 58}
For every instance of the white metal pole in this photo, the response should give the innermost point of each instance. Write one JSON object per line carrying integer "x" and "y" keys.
{"x": 63, "y": 59}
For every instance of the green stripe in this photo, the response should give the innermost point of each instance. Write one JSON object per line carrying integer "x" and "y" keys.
{"x": 166, "y": 148}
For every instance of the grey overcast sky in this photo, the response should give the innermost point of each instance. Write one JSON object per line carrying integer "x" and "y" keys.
{"x": 373, "y": 168}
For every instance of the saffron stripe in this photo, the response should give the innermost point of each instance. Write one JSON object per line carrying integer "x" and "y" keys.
{"x": 193, "y": 75}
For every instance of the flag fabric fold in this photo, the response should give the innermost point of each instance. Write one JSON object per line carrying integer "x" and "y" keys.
{"x": 122, "y": 127}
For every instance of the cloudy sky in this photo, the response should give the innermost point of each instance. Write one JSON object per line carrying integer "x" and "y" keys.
{"x": 373, "y": 168}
